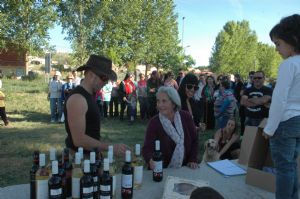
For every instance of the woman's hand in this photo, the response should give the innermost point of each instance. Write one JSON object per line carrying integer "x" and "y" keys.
{"x": 193, "y": 165}
{"x": 266, "y": 136}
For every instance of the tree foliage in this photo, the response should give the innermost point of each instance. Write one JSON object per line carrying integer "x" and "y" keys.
{"x": 126, "y": 31}
{"x": 268, "y": 59}
{"x": 235, "y": 48}
{"x": 25, "y": 24}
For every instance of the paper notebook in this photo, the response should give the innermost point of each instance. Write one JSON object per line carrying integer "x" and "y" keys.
{"x": 226, "y": 167}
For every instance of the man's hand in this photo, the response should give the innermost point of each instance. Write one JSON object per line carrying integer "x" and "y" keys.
{"x": 120, "y": 149}
{"x": 266, "y": 136}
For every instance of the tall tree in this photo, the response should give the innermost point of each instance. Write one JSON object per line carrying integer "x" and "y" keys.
{"x": 26, "y": 24}
{"x": 234, "y": 50}
{"x": 78, "y": 18}
{"x": 268, "y": 59}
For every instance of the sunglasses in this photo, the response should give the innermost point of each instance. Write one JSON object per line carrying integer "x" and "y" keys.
{"x": 104, "y": 78}
{"x": 190, "y": 86}
{"x": 257, "y": 77}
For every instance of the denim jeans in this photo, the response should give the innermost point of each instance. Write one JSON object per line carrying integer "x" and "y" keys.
{"x": 285, "y": 147}
{"x": 143, "y": 107}
{"x": 55, "y": 108}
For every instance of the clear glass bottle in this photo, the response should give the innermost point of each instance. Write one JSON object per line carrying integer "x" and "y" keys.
{"x": 42, "y": 177}
{"x": 127, "y": 178}
{"x": 138, "y": 165}
{"x": 76, "y": 175}
{"x": 112, "y": 168}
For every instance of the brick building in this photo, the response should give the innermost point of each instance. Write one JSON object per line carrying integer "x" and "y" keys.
{"x": 14, "y": 62}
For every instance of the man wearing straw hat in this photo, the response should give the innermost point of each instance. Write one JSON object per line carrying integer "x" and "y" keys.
{"x": 82, "y": 118}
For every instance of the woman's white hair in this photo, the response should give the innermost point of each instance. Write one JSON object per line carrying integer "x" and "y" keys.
{"x": 172, "y": 94}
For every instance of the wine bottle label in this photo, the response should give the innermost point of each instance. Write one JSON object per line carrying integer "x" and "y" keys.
{"x": 87, "y": 190}
{"x": 158, "y": 167}
{"x": 138, "y": 174}
{"x": 104, "y": 187}
{"x": 126, "y": 181}
{"x": 105, "y": 197}
{"x": 55, "y": 192}
{"x": 95, "y": 178}
{"x": 76, "y": 187}
{"x": 114, "y": 184}
{"x": 41, "y": 189}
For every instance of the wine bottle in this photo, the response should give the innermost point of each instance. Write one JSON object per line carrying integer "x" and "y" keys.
{"x": 55, "y": 189}
{"x": 95, "y": 175}
{"x": 68, "y": 169}
{"x": 33, "y": 170}
{"x": 106, "y": 182}
{"x": 158, "y": 163}
{"x": 127, "y": 178}
{"x": 52, "y": 157}
{"x": 86, "y": 182}
{"x": 42, "y": 177}
{"x": 62, "y": 175}
{"x": 138, "y": 167}
{"x": 76, "y": 175}
{"x": 99, "y": 162}
{"x": 112, "y": 168}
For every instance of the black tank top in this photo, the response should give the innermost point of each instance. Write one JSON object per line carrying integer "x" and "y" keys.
{"x": 92, "y": 117}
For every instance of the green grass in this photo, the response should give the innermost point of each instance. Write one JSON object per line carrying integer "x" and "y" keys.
{"x": 28, "y": 110}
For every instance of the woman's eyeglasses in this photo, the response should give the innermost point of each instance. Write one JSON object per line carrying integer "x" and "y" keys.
{"x": 190, "y": 86}
{"x": 257, "y": 77}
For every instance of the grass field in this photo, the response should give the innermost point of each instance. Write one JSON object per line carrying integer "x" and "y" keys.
{"x": 28, "y": 111}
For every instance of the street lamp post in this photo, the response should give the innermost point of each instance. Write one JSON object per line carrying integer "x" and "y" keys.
{"x": 182, "y": 31}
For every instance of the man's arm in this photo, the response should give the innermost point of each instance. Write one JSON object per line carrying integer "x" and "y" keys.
{"x": 77, "y": 108}
{"x": 245, "y": 101}
{"x": 260, "y": 100}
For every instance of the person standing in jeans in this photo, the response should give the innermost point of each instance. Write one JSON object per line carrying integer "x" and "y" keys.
{"x": 142, "y": 96}
{"x": 283, "y": 126}
{"x": 54, "y": 94}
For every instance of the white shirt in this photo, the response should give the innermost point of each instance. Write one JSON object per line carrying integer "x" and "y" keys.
{"x": 286, "y": 95}
{"x": 197, "y": 95}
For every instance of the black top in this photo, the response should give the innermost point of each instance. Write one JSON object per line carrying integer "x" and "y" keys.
{"x": 257, "y": 111}
{"x": 92, "y": 117}
{"x": 195, "y": 110}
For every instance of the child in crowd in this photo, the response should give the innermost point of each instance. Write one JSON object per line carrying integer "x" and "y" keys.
{"x": 2, "y": 109}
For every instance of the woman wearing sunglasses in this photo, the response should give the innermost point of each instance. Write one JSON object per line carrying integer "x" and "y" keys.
{"x": 187, "y": 89}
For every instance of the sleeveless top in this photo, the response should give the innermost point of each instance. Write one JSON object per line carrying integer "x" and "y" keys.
{"x": 92, "y": 117}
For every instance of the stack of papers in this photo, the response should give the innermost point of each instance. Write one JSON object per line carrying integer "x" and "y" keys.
{"x": 227, "y": 168}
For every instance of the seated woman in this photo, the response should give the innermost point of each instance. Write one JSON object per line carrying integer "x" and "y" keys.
{"x": 228, "y": 141}
{"x": 174, "y": 129}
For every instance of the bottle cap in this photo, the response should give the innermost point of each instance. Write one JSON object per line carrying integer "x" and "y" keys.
{"x": 77, "y": 158}
{"x": 52, "y": 154}
{"x": 93, "y": 157}
{"x": 86, "y": 168}
{"x": 110, "y": 156}
{"x": 54, "y": 167}
{"x": 42, "y": 159}
{"x": 157, "y": 145}
{"x": 128, "y": 156}
{"x": 137, "y": 149}
{"x": 106, "y": 164}
{"x": 111, "y": 148}
{"x": 80, "y": 150}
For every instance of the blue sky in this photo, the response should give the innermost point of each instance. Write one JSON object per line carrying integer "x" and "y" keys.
{"x": 204, "y": 19}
